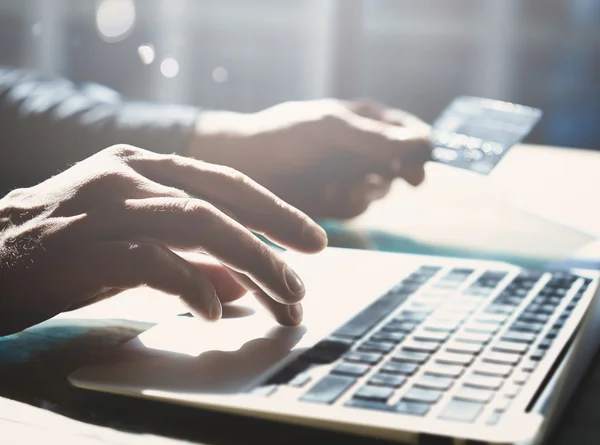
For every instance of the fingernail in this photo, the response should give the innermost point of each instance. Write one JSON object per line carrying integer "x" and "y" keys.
{"x": 215, "y": 310}
{"x": 314, "y": 234}
{"x": 293, "y": 281}
{"x": 296, "y": 312}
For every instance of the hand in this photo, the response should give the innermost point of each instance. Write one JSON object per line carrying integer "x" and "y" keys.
{"x": 110, "y": 223}
{"x": 329, "y": 158}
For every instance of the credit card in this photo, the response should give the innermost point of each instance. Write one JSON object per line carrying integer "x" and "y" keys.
{"x": 474, "y": 133}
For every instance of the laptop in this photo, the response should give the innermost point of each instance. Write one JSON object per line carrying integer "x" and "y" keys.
{"x": 403, "y": 347}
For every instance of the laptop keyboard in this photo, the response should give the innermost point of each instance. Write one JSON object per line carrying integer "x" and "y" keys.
{"x": 453, "y": 344}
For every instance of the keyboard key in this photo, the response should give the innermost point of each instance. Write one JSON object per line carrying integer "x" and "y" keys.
{"x": 300, "y": 380}
{"x": 390, "y": 380}
{"x": 413, "y": 315}
{"x": 263, "y": 390}
{"x": 290, "y": 371}
{"x": 422, "y": 395}
{"x": 474, "y": 394}
{"x": 377, "y": 346}
{"x": 527, "y": 327}
{"x": 400, "y": 368}
{"x": 444, "y": 370}
{"x": 411, "y": 356}
{"x": 502, "y": 358}
{"x": 511, "y": 300}
{"x": 483, "y": 381}
{"x": 454, "y": 358}
{"x": 493, "y": 369}
{"x": 502, "y": 403}
{"x": 465, "y": 271}
{"x": 369, "y": 358}
{"x": 472, "y": 337}
{"x": 519, "y": 337}
{"x": 329, "y": 389}
{"x": 439, "y": 326}
{"x": 360, "y": 324}
{"x": 351, "y": 369}
{"x": 403, "y": 327}
{"x": 494, "y": 418}
{"x": 447, "y": 284}
{"x": 431, "y": 336}
{"x": 428, "y": 270}
{"x": 464, "y": 348}
{"x": 422, "y": 305}
{"x": 435, "y": 382}
{"x": 462, "y": 411}
{"x": 412, "y": 408}
{"x": 511, "y": 390}
{"x": 477, "y": 291}
{"x": 511, "y": 347}
{"x": 534, "y": 318}
{"x": 502, "y": 309}
{"x": 371, "y": 392}
{"x": 521, "y": 377}
{"x": 327, "y": 350}
{"x": 494, "y": 319}
{"x": 420, "y": 346}
{"x": 546, "y": 309}
{"x": 529, "y": 365}
{"x": 382, "y": 336}
{"x": 368, "y": 404}
{"x": 415, "y": 279}
{"x": 481, "y": 328}
{"x": 537, "y": 355}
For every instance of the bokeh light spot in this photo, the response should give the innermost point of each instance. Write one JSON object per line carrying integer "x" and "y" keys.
{"x": 115, "y": 19}
{"x": 169, "y": 67}
{"x": 146, "y": 53}
{"x": 220, "y": 74}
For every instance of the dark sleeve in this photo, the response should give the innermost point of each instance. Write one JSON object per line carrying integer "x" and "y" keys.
{"x": 47, "y": 124}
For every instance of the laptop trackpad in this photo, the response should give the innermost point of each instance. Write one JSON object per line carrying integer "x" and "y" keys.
{"x": 176, "y": 356}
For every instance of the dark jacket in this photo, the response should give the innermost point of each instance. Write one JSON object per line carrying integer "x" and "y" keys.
{"x": 49, "y": 123}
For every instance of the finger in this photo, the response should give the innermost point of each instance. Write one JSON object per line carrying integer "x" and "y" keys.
{"x": 284, "y": 314}
{"x": 254, "y": 206}
{"x": 366, "y": 108}
{"x": 414, "y": 174}
{"x": 122, "y": 265}
{"x": 381, "y": 140}
{"x": 100, "y": 297}
{"x": 193, "y": 224}
{"x": 374, "y": 110}
{"x": 227, "y": 288}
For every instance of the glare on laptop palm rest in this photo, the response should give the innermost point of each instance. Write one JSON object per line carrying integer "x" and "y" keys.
{"x": 396, "y": 346}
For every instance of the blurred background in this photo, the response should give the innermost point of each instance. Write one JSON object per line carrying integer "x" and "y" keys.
{"x": 247, "y": 55}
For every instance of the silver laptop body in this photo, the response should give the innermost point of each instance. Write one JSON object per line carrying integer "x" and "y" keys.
{"x": 393, "y": 346}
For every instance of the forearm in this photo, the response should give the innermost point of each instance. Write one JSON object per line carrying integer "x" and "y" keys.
{"x": 47, "y": 124}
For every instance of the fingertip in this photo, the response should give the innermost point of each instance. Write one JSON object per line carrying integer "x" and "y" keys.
{"x": 415, "y": 175}
{"x": 314, "y": 236}
{"x": 216, "y": 310}
{"x": 296, "y": 313}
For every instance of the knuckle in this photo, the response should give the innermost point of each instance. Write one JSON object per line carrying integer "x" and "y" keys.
{"x": 201, "y": 211}
{"x": 114, "y": 180}
{"x": 122, "y": 152}
{"x": 236, "y": 176}
{"x": 167, "y": 159}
